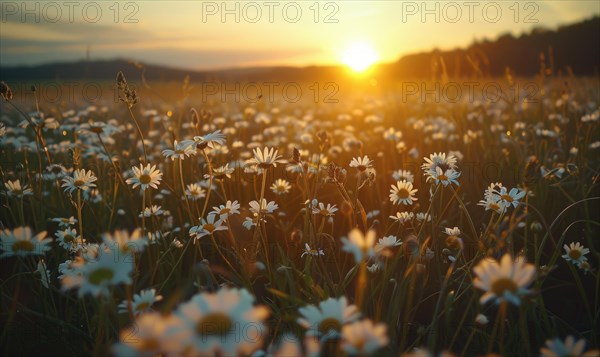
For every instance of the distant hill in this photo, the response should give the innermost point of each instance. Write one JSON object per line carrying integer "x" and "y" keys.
{"x": 569, "y": 48}
{"x": 574, "y": 47}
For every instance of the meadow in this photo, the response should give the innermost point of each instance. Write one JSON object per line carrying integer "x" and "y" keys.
{"x": 399, "y": 218}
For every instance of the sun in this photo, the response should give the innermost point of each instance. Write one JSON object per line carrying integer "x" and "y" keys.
{"x": 359, "y": 56}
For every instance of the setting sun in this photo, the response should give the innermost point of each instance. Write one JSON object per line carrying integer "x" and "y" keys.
{"x": 359, "y": 56}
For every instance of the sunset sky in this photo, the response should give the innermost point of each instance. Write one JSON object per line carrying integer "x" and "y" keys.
{"x": 191, "y": 34}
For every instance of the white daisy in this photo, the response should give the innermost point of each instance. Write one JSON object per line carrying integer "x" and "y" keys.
{"x": 20, "y": 242}
{"x": 360, "y": 245}
{"x": 361, "y": 163}
{"x": 208, "y": 226}
{"x": 265, "y": 159}
{"x": 504, "y": 281}
{"x": 569, "y": 348}
{"x": 281, "y": 187}
{"x": 228, "y": 209}
{"x": 263, "y": 208}
{"x": 69, "y": 239}
{"x": 14, "y": 189}
{"x": 403, "y": 217}
{"x": 145, "y": 177}
{"x": 95, "y": 276}
{"x": 314, "y": 252}
{"x": 81, "y": 180}
{"x": 326, "y": 211}
{"x": 195, "y": 192}
{"x": 575, "y": 253}
{"x": 124, "y": 242}
{"x": 364, "y": 337}
{"x": 328, "y": 318}
{"x": 403, "y": 193}
{"x": 180, "y": 151}
{"x": 223, "y": 323}
{"x": 141, "y": 303}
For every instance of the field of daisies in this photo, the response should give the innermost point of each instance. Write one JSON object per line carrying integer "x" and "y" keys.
{"x": 379, "y": 225}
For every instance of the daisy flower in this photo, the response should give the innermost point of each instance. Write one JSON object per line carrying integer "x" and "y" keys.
{"x": 221, "y": 172}
{"x": 364, "y": 337}
{"x": 194, "y": 192}
{"x": 360, "y": 245}
{"x": 440, "y": 160}
{"x": 403, "y": 193}
{"x": 208, "y": 226}
{"x": 313, "y": 252}
{"x": 145, "y": 337}
{"x": 265, "y": 159}
{"x": 361, "y": 163}
{"x": 95, "y": 276}
{"x": 281, "y": 187}
{"x": 387, "y": 243}
{"x": 494, "y": 203}
{"x": 263, "y": 208}
{"x": 512, "y": 197}
{"x": 210, "y": 140}
{"x": 180, "y": 151}
{"x": 145, "y": 177}
{"x": 326, "y": 211}
{"x": 328, "y": 318}
{"x": 423, "y": 217}
{"x": 444, "y": 177}
{"x": 20, "y": 242}
{"x": 558, "y": 348}
{"x": 55, "y": 172}
{"x": 142, "y": 302}
{"x": 452, "y": 231}
{"x": 575, "y": 253}
{"x": 403, "y": 175}
{"x": 403, "y": 217}
{"x": 504, "y": 281}
{"x": 250, "y": 222}
{"x": 228, "y": 209}
{"x": 224, "y": 323}
{"x": 124, "y": 242}
{"x": 14, "y": 189}
{"x": 65, "y": 222}
{"x": 154, "y": 210}
{"x": 81, "y": 180}
{"x": 69, "y": 239}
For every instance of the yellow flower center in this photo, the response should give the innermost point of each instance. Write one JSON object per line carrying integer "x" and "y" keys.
{"x": 403, "y": 193}
{"x": 500, "y": 286}
{"x": 23, "y": 245}
{"x": 329, "y": 324}
{"x": 324, "y": 212}
{"x": 215, "y": 324}
{"x": 142, "y": 306}
{"x": 507, "y": 198}
{"x": 145, "y": 179}
{"x": 68, "y": 238}
{"x": 443, "y": 177}
{"x": 224, "y": 211}
{"x": 575, "y": 254}
{"x": 101, "y": 274}
{"x": 79, "y": 182}
{"x": 209, "y": 227}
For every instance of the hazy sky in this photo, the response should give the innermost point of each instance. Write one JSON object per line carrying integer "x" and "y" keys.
{"x": 217, "y": 34}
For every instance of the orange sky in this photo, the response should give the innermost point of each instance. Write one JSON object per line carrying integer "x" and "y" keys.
{"x": 217, "y": 34}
